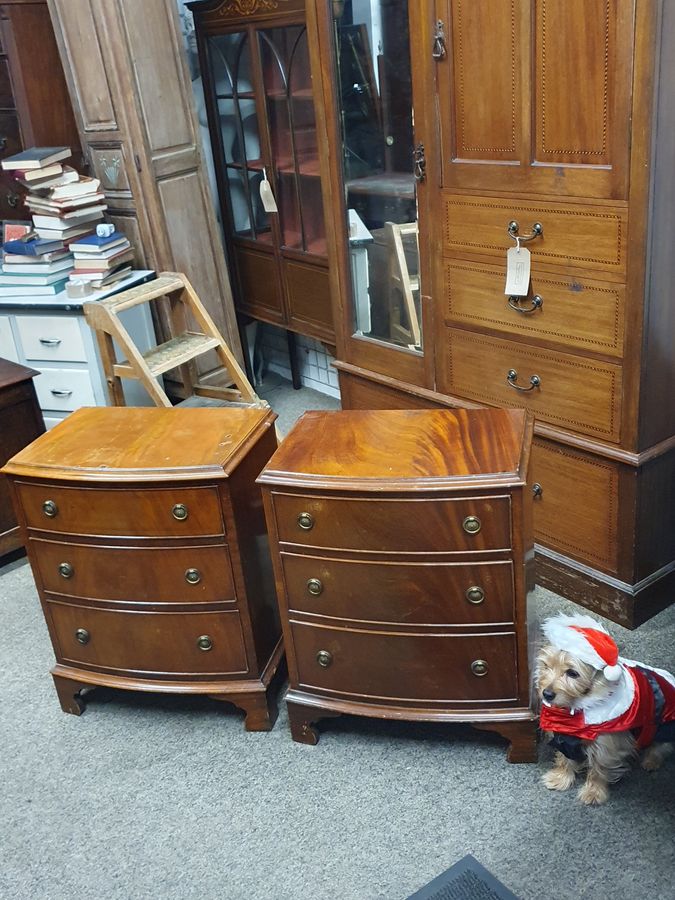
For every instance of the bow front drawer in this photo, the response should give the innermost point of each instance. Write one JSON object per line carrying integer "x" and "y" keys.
{"x": 413, "y": 526}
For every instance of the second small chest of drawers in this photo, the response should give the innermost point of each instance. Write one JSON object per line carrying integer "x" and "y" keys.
{"x": 402, "y": 545}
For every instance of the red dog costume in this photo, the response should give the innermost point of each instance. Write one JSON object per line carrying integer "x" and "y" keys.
{"x": 643, "y": 700}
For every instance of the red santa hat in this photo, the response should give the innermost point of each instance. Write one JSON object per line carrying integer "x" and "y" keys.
{"x": 587, "y": 640}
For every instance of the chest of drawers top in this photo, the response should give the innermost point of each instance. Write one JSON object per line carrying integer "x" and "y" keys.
{"x": 405, "y": 451}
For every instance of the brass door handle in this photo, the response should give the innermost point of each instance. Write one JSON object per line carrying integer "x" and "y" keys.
{"x": 512, "y": 376}
{"x": 66, "y": 570}
{"x": 419, "y": 163}
{"x": 439, "y": 49}
{"x": 537, "y": 489}
{"x": 180, "y": 511}
{"x": 537, "y": 303}
{"x": 513, "y": 229}
{"x": 479, "y": 668}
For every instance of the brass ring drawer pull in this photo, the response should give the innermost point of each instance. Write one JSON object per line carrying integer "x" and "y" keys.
{"x": 204, "y": 642}
{"x": 512, "y": 375}
{"x": 193, "y": 576}
{"x": 471, "y": 525}
{"x": 537, "y": 489}
{"x": 324, "y": 658}
{"x": 66, "y": 570}
{"x": 475, "y": 594}
{"x": 82, "y": 636}
{"x": 479, "y": 668}
{"x": 513, "y": 228}
{"x": 314, "y": 587}
{"x": 180, "y": 511}
{"x": 305, "y": 521}
{"x": 537, "y": 303}
{"x": 50, "y": 509}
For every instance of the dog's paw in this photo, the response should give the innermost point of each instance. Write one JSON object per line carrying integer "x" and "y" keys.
{"x": 558, "y": 779}
{"x": 655, "y": 756}
{"x": 593, "y": 794}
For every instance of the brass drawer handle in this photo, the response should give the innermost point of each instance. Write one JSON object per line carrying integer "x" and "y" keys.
{"x": 324, "y": 658}
{"x": 193, "y": 576}
{"x": 471, "y": 525}
{"x": 66, "y": 570}
{"x": 204, "y": 642}
{"x": 305, "y": 521}
{"x": 475, "y": 594}
{"x": 314, "y": 587}
{"x": 537, "y": 489}
{"x": 82, "y": 636}
{"x": 50, "y": 509}
{"x": 537, "y": 303}
{"x": 512, "y": 375}
{"x": 513, "y": 228}
{"x": 180, "y": 511}
{"x": 479, "y": 668}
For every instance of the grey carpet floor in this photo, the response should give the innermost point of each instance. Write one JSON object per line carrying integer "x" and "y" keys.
{"x": 159, "y": 797}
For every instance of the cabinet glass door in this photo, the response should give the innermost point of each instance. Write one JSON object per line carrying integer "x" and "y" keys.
{"x": 375, "y": 95}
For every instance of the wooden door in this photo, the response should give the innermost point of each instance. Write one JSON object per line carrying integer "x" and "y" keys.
{"x": 534, "y": 96}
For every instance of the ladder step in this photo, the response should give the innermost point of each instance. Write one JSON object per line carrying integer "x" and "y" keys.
{"x": 143, "y": 293}
{"x": 170, "y": 355}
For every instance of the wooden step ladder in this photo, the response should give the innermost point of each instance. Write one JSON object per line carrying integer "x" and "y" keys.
{"x": 177, "y": 353}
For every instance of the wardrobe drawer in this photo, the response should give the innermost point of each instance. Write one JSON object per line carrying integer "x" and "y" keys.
{"x": 138, "y": 643}
{"x": 127, "y": 512}
{"x": 577, "y": 393}
{"x": 64, "y": 389}
{"x": 51, "y": 338}
{"x": 573, "y": 312}
{"x": 135, "y": 574}
{"x": 574, "y": 235}
{"x": 406, "y": 666}
{"x": 414, "y": 526}
{"x": 576, "y": 508}
{"x": 411, "y": 593}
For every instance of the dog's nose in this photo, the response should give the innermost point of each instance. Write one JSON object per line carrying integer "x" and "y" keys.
{"x": 548, "y": 695}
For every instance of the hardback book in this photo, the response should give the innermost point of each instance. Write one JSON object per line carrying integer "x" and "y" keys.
{"x": 47, "y": 183}
{"x": 111, "y": 250}
{"x": 11, "y": 278}
{"x": 102, "y": 280}
{"x": 60, "y": 207}
{"x": 103, "y": 265}
{"x": 15, "y": 231}
{"x": 35, "y": 158}
{"x": 31, "y": 267}
{"x": 40, "y": 290}
{"x": 33, "y": 175}
{"x": 95, "y": 243}
{"x": 52, "y": 256}
{"x": 36, "y": 247}
{"x": 70, "y": 234}
{"x": 68, "y": 219}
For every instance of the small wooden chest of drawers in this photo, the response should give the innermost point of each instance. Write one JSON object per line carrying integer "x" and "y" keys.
{"x": 402, "y": 547}
{"x": 146, "y": 534}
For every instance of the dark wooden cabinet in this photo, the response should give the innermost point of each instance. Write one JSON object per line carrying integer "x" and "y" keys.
{"x": 255, "y": 62}
{"x": 402, "y": 547}
{"x": 548, "y": 122}
{"x": 146, "y": 535}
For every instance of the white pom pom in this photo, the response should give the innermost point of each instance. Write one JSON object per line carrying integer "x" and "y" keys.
{"x": 612, "y": 673}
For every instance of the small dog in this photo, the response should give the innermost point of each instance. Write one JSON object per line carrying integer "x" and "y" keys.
{"x": 599, "y": 709}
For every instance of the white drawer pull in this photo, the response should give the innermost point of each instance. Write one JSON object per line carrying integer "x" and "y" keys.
{"x": 50, "y": 342}
{"x": 58, "y": 393}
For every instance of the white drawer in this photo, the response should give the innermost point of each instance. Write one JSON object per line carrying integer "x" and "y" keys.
{"x": 51, "y": 337}
{"x": 64, "y": 389}
{"x": 7, "y": 345}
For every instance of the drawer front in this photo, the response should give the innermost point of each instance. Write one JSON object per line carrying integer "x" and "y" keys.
{"x": 399, "y": 666}
{"x": 7, "y": 345}
{"x": 137, "y": 643}
{"x": 577, "y": 512}
{"x": 64, "y": 389}
{"x": 135, "y": 574}
{"x": 401, "y": 526}
{"x": 573, "y": 312}
{"x": 51, "y": 338}
{"x": 124, "y": 512}
{"x": 577, "y": 393}
{"x": 411, "y": 593}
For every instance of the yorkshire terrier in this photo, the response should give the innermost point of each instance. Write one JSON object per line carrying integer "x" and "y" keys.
{"x": 599, "y": 709}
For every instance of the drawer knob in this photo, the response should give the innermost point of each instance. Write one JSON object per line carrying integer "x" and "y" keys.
{"x": 180, "y": 511}
{"x": 475, "y": 594}
{"x": 479, "y": 668}
{"x": 536, "y": 303}
{"x": 513, "y": 229}
{"x": 315, "y": 587}
{"x": 305, "y": 521}
{"x": 204, "y": 642}
{"x": 471, "y": 525}
{"x": 82, "y": 636}
{"x": 193, "y": 576}
{"x": 50, "y": 509}
{"x": 512, "y": 378}
{"x": 324, "y": 658}
{"x": 66, "y": 570}
{"x": 537, "y": 489}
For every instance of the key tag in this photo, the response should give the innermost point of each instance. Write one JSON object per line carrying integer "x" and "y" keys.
{"x": 517, "y": 270}
{"x": 266, "y": 195}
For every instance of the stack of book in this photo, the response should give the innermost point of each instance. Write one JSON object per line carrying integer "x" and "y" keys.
{"x": 101, "y": 259}
{"x": 33, "y": 266}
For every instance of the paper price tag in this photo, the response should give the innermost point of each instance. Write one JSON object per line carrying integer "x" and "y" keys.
{"x": 517, "y": 272}
{"x": 266, "y": 195}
